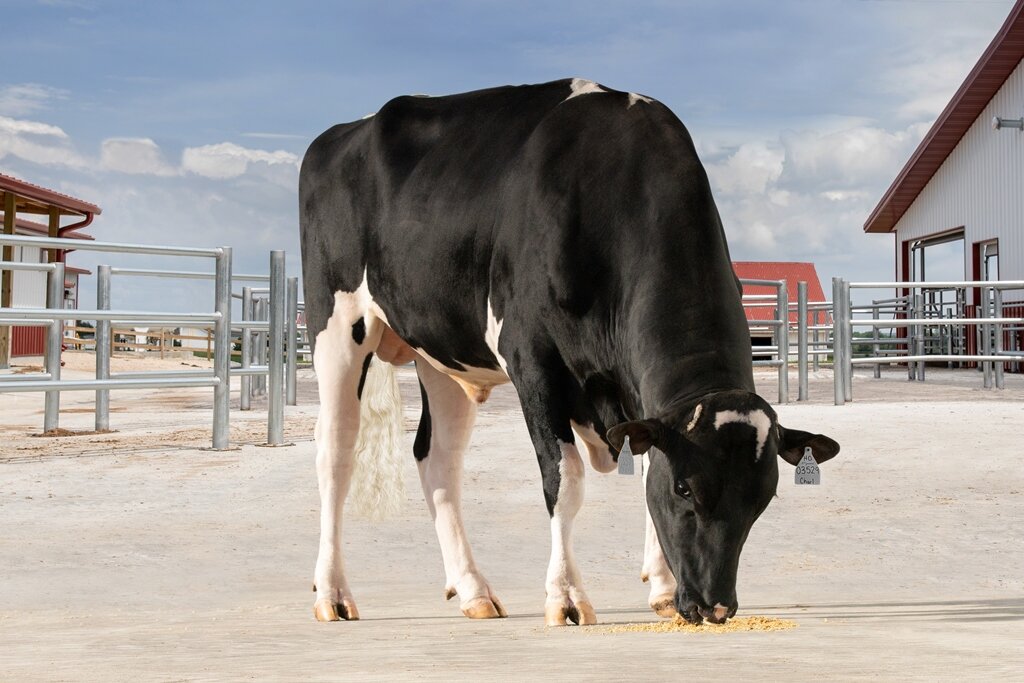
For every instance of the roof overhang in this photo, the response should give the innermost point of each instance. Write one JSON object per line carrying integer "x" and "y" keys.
{"x": 998, "y": 61}
{"x": 34, "y": 199}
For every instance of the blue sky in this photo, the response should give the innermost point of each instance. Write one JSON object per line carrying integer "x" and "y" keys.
{"x": 185, "y": 121}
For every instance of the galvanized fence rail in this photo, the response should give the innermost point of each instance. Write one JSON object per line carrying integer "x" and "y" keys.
{"x": 53, "y": 316}
{"x": 911, "y": 313}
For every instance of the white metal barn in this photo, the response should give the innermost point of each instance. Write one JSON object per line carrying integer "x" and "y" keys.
{"x": 960, "y": 197}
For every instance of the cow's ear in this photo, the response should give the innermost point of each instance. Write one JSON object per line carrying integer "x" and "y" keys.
{"x": 792, "y": 443}
{"x": 642, "y": 435}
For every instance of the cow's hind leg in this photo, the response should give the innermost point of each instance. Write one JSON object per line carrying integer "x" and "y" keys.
{"x": 341, "y": 357}
{"x": 445, "y": 427}
{"x": 545, "y": 392}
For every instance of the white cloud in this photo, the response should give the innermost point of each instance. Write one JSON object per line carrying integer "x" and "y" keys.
{"x": 134, "y": 155}
{"x": 23, "y": 127}
{"x": 750, "y": 169}
{"x": 37, "y": 142}
{"x": 27, "y": 98}
{"x": 845, "y": 159}
{"x": 228, "y": 160}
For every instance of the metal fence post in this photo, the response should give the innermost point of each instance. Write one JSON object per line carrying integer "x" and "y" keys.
{"x": 986, "y": 340}
{"x": 876, "y": 347}
{"x": 102, "y": 337}
{"x": 292, "y": 311}
{"x": 222, "y": 352}
{"x": 275, "y": 382}
{"x": 54, "y": 337}
{"x": 817, "y": 338}
{"x": 262, "y": 314}
{"x": 997, "y": 296}
{"x": 245, "y": 381}
{"x": 919, "y": 338}
{"x": 847, "y": 341}
{"x": 837, "y": 342}
{"x": 783, "y": 342}
{"x": 801, "y": 339}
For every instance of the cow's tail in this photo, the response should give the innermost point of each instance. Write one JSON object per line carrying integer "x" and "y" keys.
{"x": 378, "y": 490}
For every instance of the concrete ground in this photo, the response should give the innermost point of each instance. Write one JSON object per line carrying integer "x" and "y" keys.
{"x": 138, "y": 556}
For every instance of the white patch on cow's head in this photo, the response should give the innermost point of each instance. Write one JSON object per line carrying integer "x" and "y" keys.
{"x": 581, "y": 86}
{"x": 492, "y": 334}
{"x": 696, "y": 416}
{"x": 757, "y": 419}
{"x": 634, "y": 98}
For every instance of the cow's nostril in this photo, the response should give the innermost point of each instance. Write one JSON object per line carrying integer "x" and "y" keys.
{"x": 721, "y": 612}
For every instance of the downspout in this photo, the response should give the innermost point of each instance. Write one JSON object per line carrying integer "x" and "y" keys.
{"x": 63, "y": 232}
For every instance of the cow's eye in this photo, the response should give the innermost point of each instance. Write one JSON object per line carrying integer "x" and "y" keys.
{"x": 682, "y": 489}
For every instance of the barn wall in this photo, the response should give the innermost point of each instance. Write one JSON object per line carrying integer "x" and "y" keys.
{"x": 29, "y": 288}
{"x": 980, "y": 186}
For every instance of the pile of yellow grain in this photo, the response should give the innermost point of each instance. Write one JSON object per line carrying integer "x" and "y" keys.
{"x": 680, "y": 625}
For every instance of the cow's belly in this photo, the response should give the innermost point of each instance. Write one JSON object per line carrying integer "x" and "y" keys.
{"x": 476, "y": 382}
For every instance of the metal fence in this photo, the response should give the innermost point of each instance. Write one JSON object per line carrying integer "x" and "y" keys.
{"x": 53, "y": 317}
{"x": 924, "y": 328}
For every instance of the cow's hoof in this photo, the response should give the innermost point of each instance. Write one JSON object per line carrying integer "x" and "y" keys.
{"x": 327, "y": 610}
{"x": 665, "y": 607}
{"x": 580, "y": 613}
{"x": 484, "y": 608}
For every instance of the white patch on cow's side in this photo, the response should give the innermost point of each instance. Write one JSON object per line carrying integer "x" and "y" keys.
{"x": 492, "y": 334}
{"x": 451, "y": 416}
{"x": 755, "y": 418}
{"x": 634, "y": 98}
{"x": 600, "y": 455}
{"x": 696, "y": 417}
{"x": 563, "y": 577}
{"x": 370, "y": 115}
{"x": 581, "y": 86}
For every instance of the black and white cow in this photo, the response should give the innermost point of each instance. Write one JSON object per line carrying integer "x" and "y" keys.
{"x": 562, "y": 237}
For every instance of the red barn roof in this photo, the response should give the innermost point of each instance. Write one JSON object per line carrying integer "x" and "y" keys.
{"x": 996, "y": 64}
{"x": 790, "y": 271}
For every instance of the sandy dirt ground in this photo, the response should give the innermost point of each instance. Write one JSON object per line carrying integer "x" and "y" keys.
{"x": 137, "y": 556}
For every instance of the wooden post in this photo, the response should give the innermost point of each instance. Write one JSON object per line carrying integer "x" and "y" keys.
{"x": 53, "y": 230}
{"x": 7, "y": 281}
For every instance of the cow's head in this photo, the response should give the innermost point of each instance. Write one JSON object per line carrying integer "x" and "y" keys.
{"x": 713, "y": 471}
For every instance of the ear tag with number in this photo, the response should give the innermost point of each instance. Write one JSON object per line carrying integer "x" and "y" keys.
{"x": 807, "y": 471}
{"x": 626, "y": 458}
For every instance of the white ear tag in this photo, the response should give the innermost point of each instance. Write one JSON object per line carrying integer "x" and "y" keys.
{"x": 626, "y": 458}
{"x": 807, "y": 471}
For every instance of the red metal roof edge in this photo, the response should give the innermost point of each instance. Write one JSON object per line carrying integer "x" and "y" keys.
{"x": 23, "y": 188}
{"x": 885, "y": 216}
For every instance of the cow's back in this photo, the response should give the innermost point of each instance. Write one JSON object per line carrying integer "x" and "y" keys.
{"x": 530, "y": 201}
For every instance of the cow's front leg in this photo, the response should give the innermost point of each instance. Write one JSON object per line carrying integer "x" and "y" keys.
{"x": 544, "y": 395}
{"x": 445, "y": 427}
{"x": 655, "y": 569}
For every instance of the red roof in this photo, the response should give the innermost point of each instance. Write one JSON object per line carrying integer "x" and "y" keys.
{"x": 36, "y": 199}
{"x": 790, "y": 271}
{"x": 996, "y": 64}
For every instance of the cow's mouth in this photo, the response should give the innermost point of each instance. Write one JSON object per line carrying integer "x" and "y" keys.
{"x": 696, "y": 613}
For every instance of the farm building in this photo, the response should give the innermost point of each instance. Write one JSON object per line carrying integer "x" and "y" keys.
{"x": 24, "y": 289}
{"x": 957, "y": 201}
{"x": 793, "y": 273}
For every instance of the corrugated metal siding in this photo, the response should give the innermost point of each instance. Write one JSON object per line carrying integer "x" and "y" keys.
{"x": 980, "y": 186}
{"x": 27, "y": 341}
{"x": 29, "y": 288}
